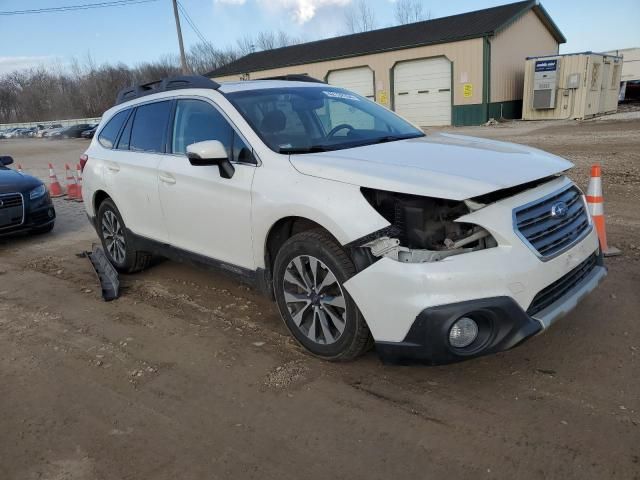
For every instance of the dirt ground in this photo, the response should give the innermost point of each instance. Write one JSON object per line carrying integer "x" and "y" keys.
{"x": 190, "y": 375}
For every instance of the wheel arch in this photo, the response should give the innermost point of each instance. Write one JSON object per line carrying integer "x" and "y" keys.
{"x": 282, "y": 230}
{"x": 99, "y": 196}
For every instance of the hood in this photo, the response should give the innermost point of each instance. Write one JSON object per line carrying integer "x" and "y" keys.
{"x": 13, "y": 181}
{"x": 453, "y": 167}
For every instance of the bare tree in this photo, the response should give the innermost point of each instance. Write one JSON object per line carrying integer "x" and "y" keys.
{"x": 246, "y": 45}
{"x": 266, "y": 41}
{"x": 410, "y": 11}
{"x": 359, "y": 17}
{"x": 284, "y": 39}
{"x": 84, "y": 88}
{"x": 271, "y": 40}
{"x": 203, "y": 57}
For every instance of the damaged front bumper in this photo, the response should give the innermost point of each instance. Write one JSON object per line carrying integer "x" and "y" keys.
{"x": 503, "y": 325}
{"x": 411, "y": 307}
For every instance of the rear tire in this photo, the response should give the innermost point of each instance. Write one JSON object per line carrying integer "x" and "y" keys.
{"x": 309, "y": 272}
{"x": 118, "y": 242}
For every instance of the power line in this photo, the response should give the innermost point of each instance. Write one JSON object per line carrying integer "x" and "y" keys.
{"x": 193, "y": 25}
{"x": 71, "y": 8}
{"x": 189, "y": 21}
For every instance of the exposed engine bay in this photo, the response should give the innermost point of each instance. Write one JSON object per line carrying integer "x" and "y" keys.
{"x": 422, "y": 229}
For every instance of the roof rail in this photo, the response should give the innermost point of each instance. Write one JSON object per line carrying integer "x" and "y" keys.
{"x": 166, "y": 84}
{"x": 294, "y": 77}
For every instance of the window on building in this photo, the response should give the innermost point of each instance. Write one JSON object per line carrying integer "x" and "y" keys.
{"x": 615, "y": 75}
{"x": 595, "y": 75}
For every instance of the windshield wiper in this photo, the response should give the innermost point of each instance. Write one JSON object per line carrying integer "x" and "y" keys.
{"x": 393, "y": 138}
{"x": 311, "y": 149}
{"x": 327, "y": 148}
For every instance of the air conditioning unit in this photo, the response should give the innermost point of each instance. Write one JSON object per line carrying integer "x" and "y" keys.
{"x": 545, "y": 83}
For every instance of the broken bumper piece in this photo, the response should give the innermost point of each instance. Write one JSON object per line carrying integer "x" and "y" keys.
{"x": 107, "y": 275}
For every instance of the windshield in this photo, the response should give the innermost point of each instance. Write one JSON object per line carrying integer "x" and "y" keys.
{"x": 308, "y": 119}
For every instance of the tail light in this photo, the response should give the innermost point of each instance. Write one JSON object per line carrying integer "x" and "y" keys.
{"x": 83, "y": 161}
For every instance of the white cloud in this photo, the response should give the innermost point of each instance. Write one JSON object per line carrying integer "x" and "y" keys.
{"x": 301, "y": 11}
{"x": 10, "y": 64}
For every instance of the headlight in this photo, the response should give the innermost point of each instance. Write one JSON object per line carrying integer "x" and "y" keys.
{"x": 37, "y": 192}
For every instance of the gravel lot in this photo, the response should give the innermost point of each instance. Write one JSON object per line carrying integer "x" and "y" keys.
{"x": 190, "y": 375}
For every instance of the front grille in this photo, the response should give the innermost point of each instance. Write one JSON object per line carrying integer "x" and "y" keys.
{"x": 11, "y": 210}
{"x": 560, "y": 287}
{"x": 548, "y": 234}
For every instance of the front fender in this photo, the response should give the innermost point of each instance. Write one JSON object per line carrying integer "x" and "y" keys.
{"x": 338, "y": 207}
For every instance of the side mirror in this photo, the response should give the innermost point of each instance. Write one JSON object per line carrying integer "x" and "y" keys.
{"x": 211, "y": 152}
{"x": 6, "y": 160}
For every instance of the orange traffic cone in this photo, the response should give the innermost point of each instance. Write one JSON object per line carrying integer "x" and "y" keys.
{"x": 596, "y": 209}
{"x": 55, "y": 190}
{"x": 72, "y": 186}
{"x": 79, "y": 190}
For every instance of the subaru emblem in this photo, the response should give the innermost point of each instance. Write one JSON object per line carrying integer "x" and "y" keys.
{"x": 559, "y": 210}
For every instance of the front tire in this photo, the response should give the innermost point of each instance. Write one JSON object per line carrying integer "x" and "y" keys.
{"x": 118, "y": 242}
{"x": 309, "y": 273}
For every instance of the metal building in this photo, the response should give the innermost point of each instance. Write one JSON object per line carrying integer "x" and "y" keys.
{"x": 460, "y": 70}
{"x": 630, "y": 63}
{"x": 571, "y": 86}
{"x": 630, "y": 72}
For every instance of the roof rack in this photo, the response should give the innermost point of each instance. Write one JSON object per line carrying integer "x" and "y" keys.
{"x": 166, "y": 84}
{"x": 294, "y": 77}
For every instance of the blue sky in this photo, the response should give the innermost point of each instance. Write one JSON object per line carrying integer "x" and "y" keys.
{"x": 137, "y": 33}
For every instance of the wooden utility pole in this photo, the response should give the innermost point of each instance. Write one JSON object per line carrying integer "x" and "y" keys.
{"x": 183, "y": 59}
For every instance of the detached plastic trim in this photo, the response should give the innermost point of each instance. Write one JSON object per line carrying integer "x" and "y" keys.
{"x": 107, "y": 275}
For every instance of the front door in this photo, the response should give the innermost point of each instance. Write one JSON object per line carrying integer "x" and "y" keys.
{"x": 203, "y": 212}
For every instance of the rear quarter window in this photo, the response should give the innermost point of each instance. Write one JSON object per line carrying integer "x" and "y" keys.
{"x": 110, "y": 131}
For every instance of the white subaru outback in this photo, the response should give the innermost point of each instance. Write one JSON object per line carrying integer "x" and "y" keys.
{"x": 436, "y": 247}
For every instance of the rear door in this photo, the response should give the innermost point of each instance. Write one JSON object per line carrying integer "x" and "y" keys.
{"x": 131, "y": 170}
{"x": 205, "y": 213}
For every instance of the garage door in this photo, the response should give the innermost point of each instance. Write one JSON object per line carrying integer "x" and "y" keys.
{"x": 422, "y": 91}
{"x": 359, "y": 80}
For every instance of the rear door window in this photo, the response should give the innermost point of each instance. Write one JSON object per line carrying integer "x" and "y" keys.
{"x": 149, "y": 128}
{"x": 110, "y": 131}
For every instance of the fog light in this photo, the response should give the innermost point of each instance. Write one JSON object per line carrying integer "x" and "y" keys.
{"x": 50, "y": 213}
{"x": 463, "y": 332}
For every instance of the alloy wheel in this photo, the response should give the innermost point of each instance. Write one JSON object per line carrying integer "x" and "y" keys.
{"x": 315, "y": 299}
{"x": 113, "y": 236}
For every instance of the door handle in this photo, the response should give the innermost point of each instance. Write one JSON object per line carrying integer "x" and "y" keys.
{"x": 112, "y": 167}
{"x": 167, "y": 179}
